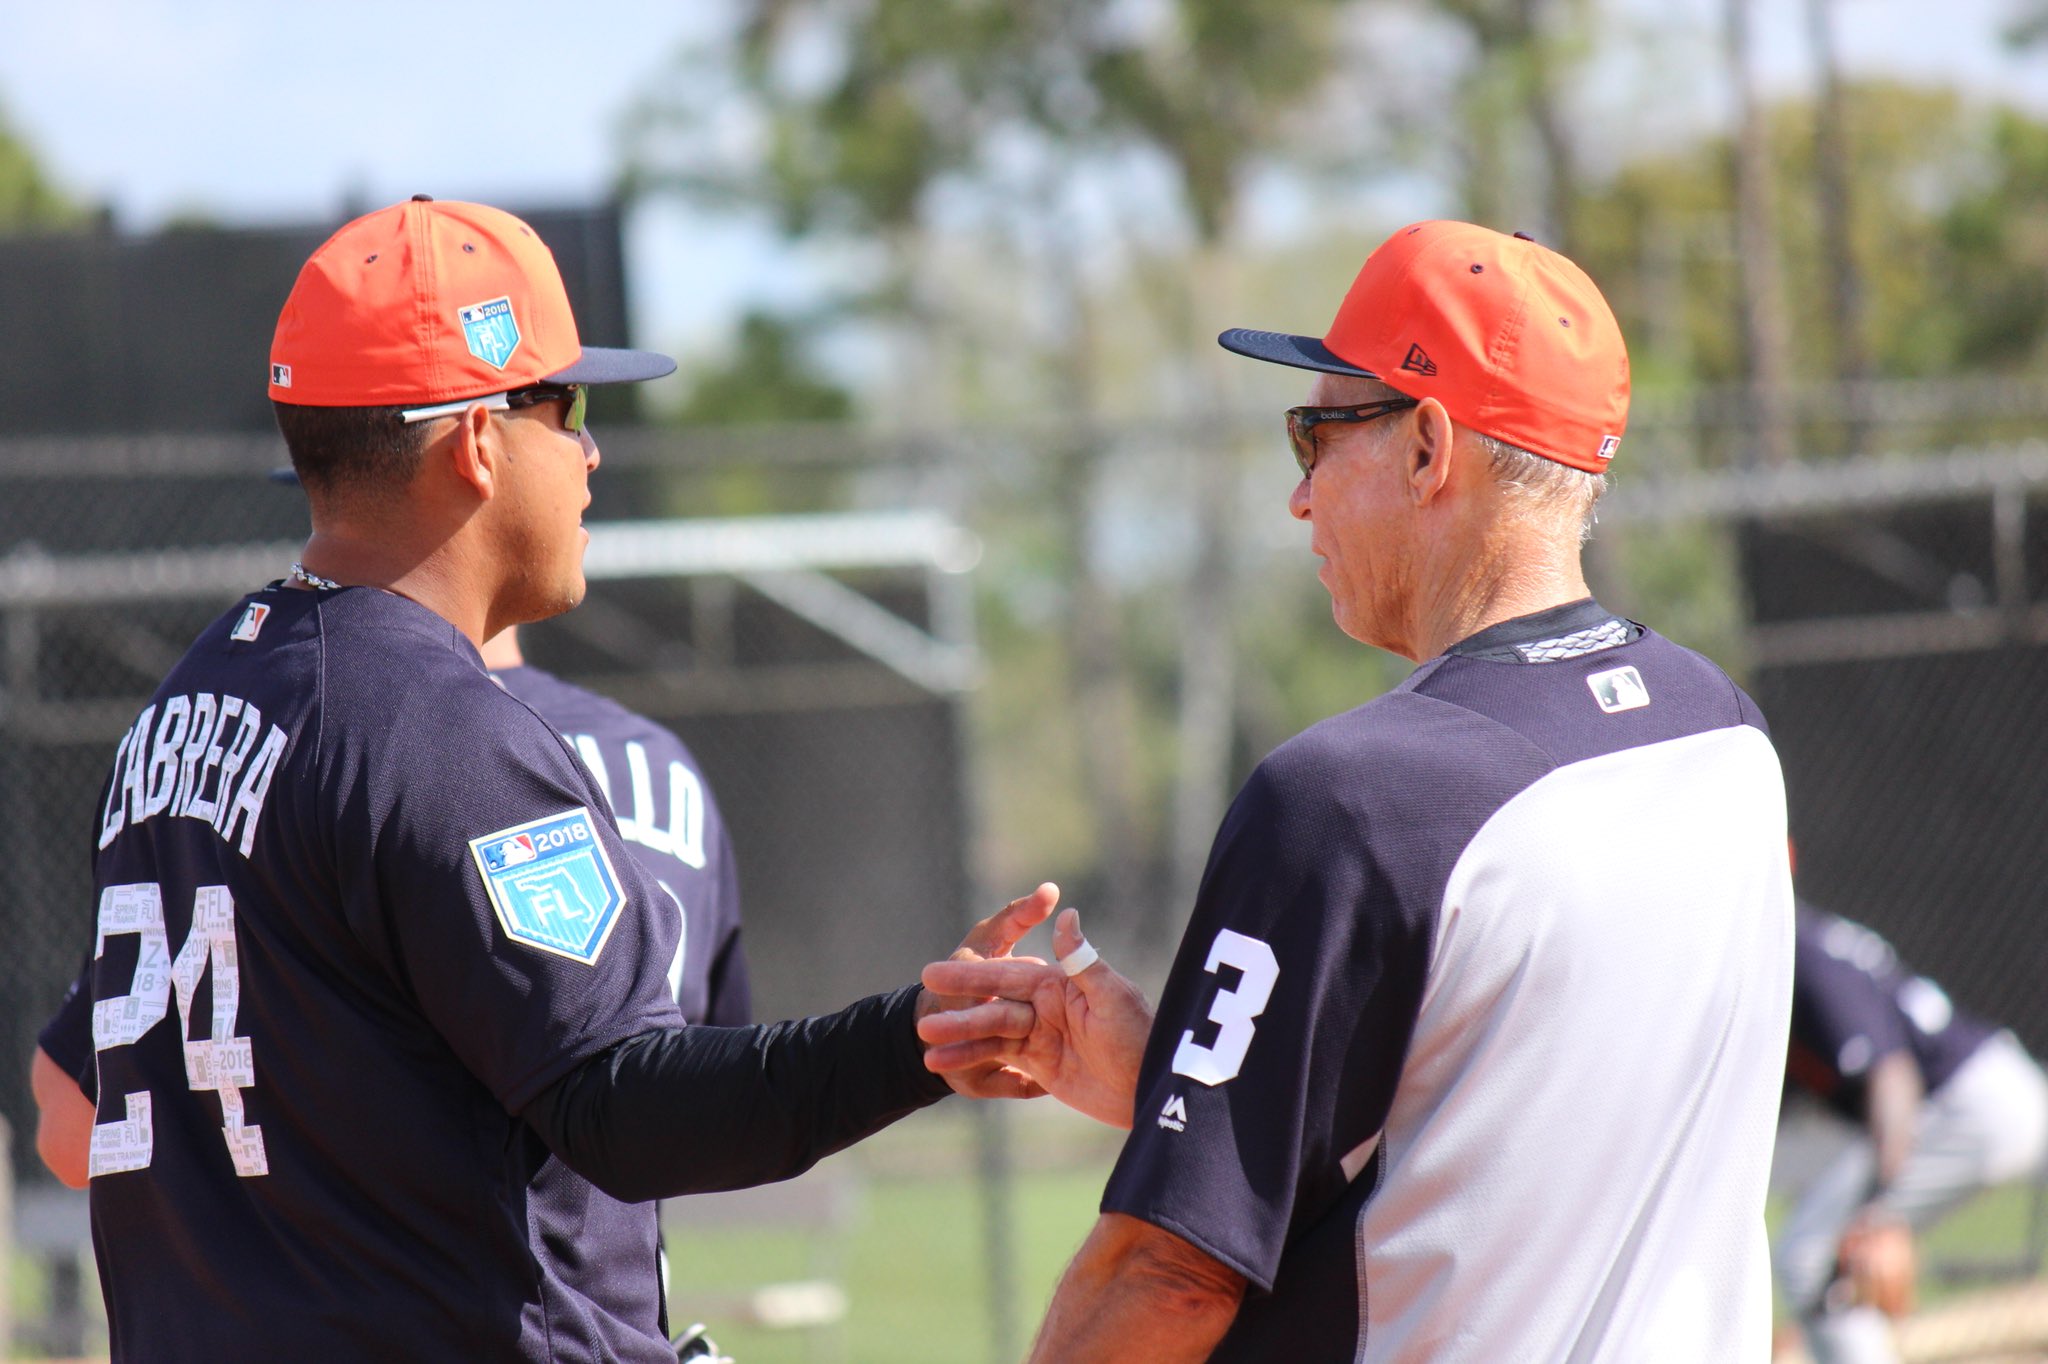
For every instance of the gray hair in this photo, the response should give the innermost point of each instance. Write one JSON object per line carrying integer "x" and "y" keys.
{"x": 1544, "y": 485}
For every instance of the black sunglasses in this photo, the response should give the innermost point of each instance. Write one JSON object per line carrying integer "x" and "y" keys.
{"x": 577, "y": 396}
{"x": 1303, "y": 421}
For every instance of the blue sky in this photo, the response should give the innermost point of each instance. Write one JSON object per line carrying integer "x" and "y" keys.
{"x": 274, "y": 112}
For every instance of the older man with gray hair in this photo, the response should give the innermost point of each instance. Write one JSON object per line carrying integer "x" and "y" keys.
{"x": 1470, "y": 1052}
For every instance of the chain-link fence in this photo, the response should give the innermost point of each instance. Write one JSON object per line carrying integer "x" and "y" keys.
{"x": 1889, "y": 614}
{"x": 1891, "y": 617}
{"x": 813, "y": 663}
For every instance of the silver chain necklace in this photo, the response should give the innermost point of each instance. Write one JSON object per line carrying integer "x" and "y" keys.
{"x": 314, "y": 579}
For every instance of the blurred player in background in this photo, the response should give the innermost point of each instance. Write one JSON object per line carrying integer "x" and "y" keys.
{"x": 412, "y": 961}
{"x": 1470, "y": 1050}
{"x": 1943, "y": 1105}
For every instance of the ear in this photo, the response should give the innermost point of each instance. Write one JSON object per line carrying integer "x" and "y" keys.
{"x": 1429, "y": 456}
{"x": 475, "y": 454}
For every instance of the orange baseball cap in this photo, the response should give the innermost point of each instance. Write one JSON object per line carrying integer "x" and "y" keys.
{"x": 1513, "y": 339}
{"x": 427, "y": 302}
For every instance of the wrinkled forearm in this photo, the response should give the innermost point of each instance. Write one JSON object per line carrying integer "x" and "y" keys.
{"x": 1136, "y": 1291}
{"x": 694, "y": 1109}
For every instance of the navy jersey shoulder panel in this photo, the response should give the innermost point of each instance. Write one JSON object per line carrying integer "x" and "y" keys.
{"x": 579, "y": 710}
{"x": 1555, "y": 705}
{"x": 670, "y": 819}
{"x": 1334, "y": 856}
{"x": 431, "y": 755}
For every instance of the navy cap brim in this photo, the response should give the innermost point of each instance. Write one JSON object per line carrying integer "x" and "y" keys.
{"x": 1302, "y": 352}
{"x": 611, "y": 365}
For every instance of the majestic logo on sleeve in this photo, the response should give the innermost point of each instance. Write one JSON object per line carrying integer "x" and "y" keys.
{"x": 1174, "y": 1116}
{"x": 1619, "y": 689}
{"x": 490, "y": 331}
{"x": 551, "y": 884}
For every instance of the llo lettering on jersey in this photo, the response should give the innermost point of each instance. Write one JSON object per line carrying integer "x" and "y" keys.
{"x": 203, "y": 756}
{"x": 683, "y": 836}
{"x": 551, "y": 884}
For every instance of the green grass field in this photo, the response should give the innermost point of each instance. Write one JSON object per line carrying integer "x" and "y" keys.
{"x": 913, "y": 1253}
{"x": 912, "y": 1257}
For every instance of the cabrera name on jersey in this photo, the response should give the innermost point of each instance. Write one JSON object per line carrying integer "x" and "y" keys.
{"x": 204, "y": 755}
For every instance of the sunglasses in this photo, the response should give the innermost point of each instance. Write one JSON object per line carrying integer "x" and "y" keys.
{"x": 577, "y": 396}
{"x": 1303, "y": 421}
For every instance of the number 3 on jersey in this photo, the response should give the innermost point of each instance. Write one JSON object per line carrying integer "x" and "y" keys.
{"x": 1232, "y": 1011}
{"x": 222, "y": 1063}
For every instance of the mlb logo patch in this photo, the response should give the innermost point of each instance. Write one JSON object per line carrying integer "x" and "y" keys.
{"x": 490, "y": 330}
{"x": 1619, "y": 689}
{"x": 551, "y": 884}
{"x": 1608, "y": 445}
{"x": 251, "y": 624}
{"x": 281, "y": 375}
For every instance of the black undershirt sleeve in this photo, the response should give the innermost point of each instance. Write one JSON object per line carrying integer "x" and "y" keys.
{"x": 675, "y": 1111}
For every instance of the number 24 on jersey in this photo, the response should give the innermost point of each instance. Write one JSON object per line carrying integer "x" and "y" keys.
{"x": 222, "y": 1063}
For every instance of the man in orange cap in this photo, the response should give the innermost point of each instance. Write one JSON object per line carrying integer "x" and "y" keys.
{"x": 1470, "y": 1050}
{"x": 426, "y": 1067}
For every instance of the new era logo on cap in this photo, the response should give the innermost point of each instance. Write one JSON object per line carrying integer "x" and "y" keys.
{"x": 1418, "y": 361}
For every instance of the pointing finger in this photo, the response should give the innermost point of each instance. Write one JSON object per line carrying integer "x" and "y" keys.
{"x": 1000, "y": 931}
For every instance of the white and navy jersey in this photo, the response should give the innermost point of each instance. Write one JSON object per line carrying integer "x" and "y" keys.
{"x": 1470, "y": 1051}
{"x": 1855, "y": 1003}
{"x": 357, "y": 908}
{"x": 671, "y": 823}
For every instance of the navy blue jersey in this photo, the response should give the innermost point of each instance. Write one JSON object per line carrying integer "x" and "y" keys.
{"x": 328, "y": 836}
{"x": 674, "y": 829}
{"x": 670, "y": 820}
{"x": 1855, "y": 1003}
{"x": 67, "y": 1037}
{"x": 1497, "y": 961}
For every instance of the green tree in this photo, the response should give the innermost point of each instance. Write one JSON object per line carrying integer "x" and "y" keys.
{"x": 767, "y": 378}
{"x": 1948, "y": 198}
{"x": 910, "y": 125}
{"x": 29, "y": 201}
{"x": 1515, "y": 140}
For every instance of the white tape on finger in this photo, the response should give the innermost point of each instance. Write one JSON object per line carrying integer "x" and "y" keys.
{"x": 1080, "y": 959}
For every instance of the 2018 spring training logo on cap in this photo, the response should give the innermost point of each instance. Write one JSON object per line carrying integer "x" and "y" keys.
{"x": 551, "y": 884}
{"x": 490, "y": 330}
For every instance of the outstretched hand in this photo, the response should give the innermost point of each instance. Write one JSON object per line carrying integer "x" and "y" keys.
{"x": 1077, "y": 1037}
{"x": 988, "y": 942}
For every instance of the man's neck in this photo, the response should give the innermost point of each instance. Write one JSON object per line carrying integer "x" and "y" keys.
{"x": 430, "y": 575}
{"x": 1505, "y": 587}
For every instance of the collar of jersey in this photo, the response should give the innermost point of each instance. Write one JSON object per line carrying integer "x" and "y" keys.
{"x": 1498, "y": 642}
